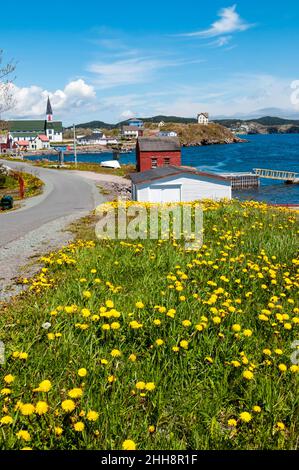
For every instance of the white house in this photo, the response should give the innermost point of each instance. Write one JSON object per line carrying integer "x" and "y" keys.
{"x": 131, "y": 132}
{"x": 40, "y": 142}
{"x": 167, "y": 134}
{"x": 96, "y": 138}
{"x": 179, "y": 184}
{"x": 203, "y": 118}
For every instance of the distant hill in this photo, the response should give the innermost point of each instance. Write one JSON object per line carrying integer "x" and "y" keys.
{"x": 264, "y": 121}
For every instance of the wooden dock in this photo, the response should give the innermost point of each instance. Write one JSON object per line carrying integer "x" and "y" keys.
{"x": 243, "y": 180}
{"x": 287, "y": 176}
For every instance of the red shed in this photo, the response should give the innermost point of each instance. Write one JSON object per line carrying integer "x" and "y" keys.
{"x": 153, "y": 152}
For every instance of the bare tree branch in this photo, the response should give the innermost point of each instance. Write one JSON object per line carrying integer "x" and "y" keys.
{"x": 6, "y": 82}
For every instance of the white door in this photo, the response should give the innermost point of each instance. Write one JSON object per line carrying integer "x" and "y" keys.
{"x": 165, "y": 193}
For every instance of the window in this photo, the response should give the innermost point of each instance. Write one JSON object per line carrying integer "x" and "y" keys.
{"x": 154, "y": 163}
{"x": 166, "y": 161}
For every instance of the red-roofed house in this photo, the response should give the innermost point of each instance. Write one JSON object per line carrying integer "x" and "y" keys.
{"x": 40, "y": 142}
{"x": 21, "y": 144}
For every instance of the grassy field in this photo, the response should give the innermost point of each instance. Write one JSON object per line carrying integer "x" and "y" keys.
{"x": 146, "y": 345}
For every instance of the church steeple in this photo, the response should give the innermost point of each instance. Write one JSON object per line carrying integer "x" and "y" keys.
{"x": 49, "y": 111}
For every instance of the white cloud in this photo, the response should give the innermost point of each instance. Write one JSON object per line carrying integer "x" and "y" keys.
{"x": 127, "y": 71}
{"x": 230, "y": 22}
{"x": 30, "y": 102}
{"x": 131, "y": 71}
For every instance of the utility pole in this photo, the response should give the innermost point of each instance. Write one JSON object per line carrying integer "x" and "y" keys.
{"x": 75, "y": 144}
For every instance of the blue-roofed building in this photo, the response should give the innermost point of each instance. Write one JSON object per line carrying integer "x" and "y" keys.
{"x": 135, "y": 122}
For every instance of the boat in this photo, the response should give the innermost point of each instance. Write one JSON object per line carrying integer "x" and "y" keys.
{"x": 110, "y": 164}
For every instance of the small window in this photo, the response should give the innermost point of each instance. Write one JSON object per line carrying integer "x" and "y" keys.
{"x": 154, "y": 163}
{"x": 166, "y": 161}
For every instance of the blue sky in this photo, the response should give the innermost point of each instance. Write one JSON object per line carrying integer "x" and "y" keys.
{"x": 128, "y": 58}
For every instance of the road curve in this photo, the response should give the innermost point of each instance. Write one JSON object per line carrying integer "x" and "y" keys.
{"x": 64, "y": 194}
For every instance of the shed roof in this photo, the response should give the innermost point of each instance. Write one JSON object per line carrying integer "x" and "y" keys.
{"x": 156, "y": 144}
{"x": 165, "y": 171}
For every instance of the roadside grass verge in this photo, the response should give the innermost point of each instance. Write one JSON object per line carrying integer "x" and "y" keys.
{"x": 33, "y": 186}
{"x": 167, "y": 348}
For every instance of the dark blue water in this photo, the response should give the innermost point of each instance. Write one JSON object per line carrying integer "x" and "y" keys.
{"x": 276, "y": 152}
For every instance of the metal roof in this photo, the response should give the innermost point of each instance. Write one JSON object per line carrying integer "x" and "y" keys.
{"x": 159, "y": 144}
{"x": 165, "y": 171}
{"x": 26, "y": 126}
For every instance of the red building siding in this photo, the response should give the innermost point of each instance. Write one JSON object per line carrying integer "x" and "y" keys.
{"x": 152, "y": 159}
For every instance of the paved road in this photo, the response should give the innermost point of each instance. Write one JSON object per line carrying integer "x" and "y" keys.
{"x": 39, "y": 226}
{"x": 65, "y": 195}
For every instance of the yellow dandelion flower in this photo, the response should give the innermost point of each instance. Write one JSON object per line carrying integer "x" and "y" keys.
{"x": 282, "y": 368}
{"x": 41, "y": 407}
{"x": 85, "y": 312}
{"x": 6, "y": 420}
{"x": 79, "y": 426}
{"x": 139, "y": 304}
{"x": 128, "y": 444}
{"x": 92, "y": 415}
{"x": 184, "y": 344}
{"x": 9, "y": 378}
{"x": 27, "y": 409}
{"x": 109, "y": 304}
{"x": 245, "y": 417}
{"x": 23, "y": 434}
{"x": 151, "y": 429}
{"x": 45, "y": 386}
{"x": 132, "y": 357}
{"x": 140, "y": 385}
{"x": 82, "y": 372}
{"x": 232, "y": 423}
{"x": 280, "y": 426}
{"x": 257, "y": 409}
{"x": 248, "y": 375}
{"x": 135, "y": 325}
{"x": 236, "y": 328}
{"x": 58, "y": 430}
{"x": 247, "y": 333}
{"x": 267, "y": 352}
{"x": 115, "y": 353}
{"x": 159, "y": 342}
{"x": 68, "y": 406}
{"x": 111, "y": 379}
{"x": 75, "y": 393}
{"x": 150, "y": 386}
{"x": 23, "y": 355}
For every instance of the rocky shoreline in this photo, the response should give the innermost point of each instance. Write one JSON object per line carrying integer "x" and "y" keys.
{"x": 204, "y": 142}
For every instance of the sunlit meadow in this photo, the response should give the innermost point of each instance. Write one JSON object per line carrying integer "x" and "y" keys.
{"x": 124, "y": 345}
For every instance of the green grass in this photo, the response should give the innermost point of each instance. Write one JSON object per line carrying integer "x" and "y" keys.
{"x": 197, "y": 390}
{"x": 33, "y": 186}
